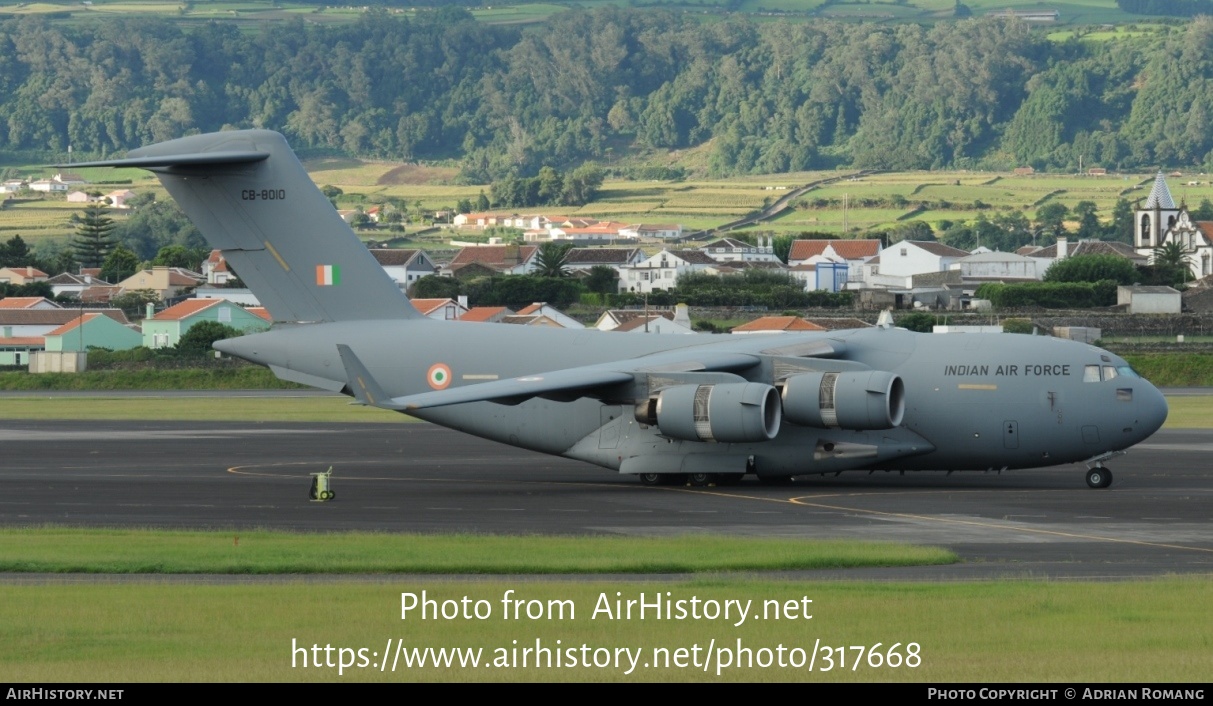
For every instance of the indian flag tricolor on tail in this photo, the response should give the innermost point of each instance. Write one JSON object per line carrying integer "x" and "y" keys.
{"x": 327, "y": 275}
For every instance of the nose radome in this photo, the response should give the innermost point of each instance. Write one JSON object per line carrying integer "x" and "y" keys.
{"x": 1151, "y": 409}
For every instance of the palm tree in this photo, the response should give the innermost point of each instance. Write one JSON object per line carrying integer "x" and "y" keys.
{"x": 549, "y": 261}
{"x": 1172, "y": 255}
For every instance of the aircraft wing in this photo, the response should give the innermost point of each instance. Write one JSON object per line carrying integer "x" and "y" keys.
{"x": 570, "y": 380}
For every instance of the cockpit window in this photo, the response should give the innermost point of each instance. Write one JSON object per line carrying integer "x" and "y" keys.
{"x": 1109, "y": 372}
{"x": 1090, "y": 373}
{"x": 1127, "y": 371}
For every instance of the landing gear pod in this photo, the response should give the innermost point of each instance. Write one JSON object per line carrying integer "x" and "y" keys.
{"x": 320, "y": 491}
{"x": 870, "y": 399}
{"x": 729, "y": 413}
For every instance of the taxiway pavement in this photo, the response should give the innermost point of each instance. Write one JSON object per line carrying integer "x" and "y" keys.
{"x": 1039, "y": 523}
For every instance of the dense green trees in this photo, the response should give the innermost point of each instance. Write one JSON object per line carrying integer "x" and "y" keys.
{"x": 587, "y": 85}
{"x": 94, "y": 236}
{"x": 1092, "y": 268}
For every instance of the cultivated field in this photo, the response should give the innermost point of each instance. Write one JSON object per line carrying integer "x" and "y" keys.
{"x": 864, "y": 203}
{"x": 251, "y": 14}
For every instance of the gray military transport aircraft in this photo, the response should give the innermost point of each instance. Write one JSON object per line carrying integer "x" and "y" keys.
{"x": 692, "y": 409}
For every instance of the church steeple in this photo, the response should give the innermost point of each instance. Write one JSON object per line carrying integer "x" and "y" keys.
{"x": 1160, "y": 195}
{"x": 1155, "y": 217}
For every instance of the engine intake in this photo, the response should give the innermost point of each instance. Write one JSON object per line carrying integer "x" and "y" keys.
{"x": 740, "y": 412}
{"x": 870, "y": 399}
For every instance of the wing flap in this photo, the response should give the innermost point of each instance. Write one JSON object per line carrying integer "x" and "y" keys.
{"x": 516, "y": 389}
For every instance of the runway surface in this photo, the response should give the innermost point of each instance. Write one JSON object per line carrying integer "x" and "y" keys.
{"x": 1044, "y": 523}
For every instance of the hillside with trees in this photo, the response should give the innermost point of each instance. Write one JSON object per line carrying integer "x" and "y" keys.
{"x": 589, "y": 86}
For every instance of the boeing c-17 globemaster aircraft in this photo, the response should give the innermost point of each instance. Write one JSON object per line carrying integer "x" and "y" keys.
{"x": 692, "y": 409}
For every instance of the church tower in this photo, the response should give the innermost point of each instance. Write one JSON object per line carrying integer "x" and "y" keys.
{"x": 1154, "y": 218}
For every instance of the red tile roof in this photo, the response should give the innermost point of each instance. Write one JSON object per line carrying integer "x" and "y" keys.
{"x": 846, "y": 249}
{"x": 428, "y": 306}
{"x": 71, "y": 325}
{"x": 23, "y": 341}
{"x": 260, "y": 311}
{"x": 494, "y": 254}
{"x": 483, "y": 313}
{"x": 779, "y": 323}
{"x": 28, "y": 271}
{"x": 23, "y": 302}
{"x": 186, "y": 309}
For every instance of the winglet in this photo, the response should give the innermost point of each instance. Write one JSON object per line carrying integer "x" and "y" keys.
{"x": 366, "y": 390}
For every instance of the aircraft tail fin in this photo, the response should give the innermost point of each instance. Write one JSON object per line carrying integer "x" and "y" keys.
{"x": 252, "y": 199}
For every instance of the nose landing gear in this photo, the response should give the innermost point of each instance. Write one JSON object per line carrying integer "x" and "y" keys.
{"x": 1099, "y": 476}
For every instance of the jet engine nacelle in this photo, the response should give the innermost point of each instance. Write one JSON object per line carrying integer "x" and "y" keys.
{"x": 739, "y": 412}
{"x": 869, "y": 399}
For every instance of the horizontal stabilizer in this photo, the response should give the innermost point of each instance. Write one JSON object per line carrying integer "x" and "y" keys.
{"x": 208, "y": 159}
{"x": 364, "y": 387}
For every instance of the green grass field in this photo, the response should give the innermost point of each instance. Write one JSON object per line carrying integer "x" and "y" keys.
{"x": 1153, "y": 632}
{"x": 277, "y": 409}
{"x": 133, "y": 551}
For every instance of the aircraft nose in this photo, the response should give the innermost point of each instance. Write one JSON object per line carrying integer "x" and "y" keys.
{"x": 1151, "y": 409}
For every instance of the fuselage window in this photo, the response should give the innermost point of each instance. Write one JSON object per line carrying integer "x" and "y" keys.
{"x": 1090, "y": 373}
{"x": 1127, "y": 371}
{"x": 1109, "y": 372}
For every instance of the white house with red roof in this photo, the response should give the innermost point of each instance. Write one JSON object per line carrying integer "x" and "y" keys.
{"x": 661, "y": 271}
{"x": 734, "y": 250}
{"x": 896, "y": 265}
{"x": 215, "y": 269}
{"x": 653, "y": 231}
{"x": 544, "y": 309}
{"x": 805, "y": 256}
{"x": 405, "y": 266}
{"x": 165, "y": 329}
{"x": 442, "y": 309}
{"x": 506, "y": 259}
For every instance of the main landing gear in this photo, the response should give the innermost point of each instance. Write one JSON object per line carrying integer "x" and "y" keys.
{"x": 695, "y": 480}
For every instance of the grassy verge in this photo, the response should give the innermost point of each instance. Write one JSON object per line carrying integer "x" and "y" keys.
{"x": 1174, "y": 370}
{"x": 234, "y": 378}
{"x": 244, "y": 409}
{"x": 1189, "y": 413}
{"x": 1143, "y": 631}
{"x": 124, "y": 551}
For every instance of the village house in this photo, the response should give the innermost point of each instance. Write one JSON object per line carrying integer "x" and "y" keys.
{"x": 404, "y": 266}
{"x": 777, "y": 324}
{"x": 21, "y": 275}
{"x": 92, "y": 331}
{"x": 502, "y": 259}
{"x": 728, "y": 250}
{"x": 28, "y": 303}
{"x": 831, "y": 265}
{"x": 165, "y": 329}
{"x": 897, "y": 265}
{"x": 442, "y": 309}
{"x": 166, "y": 282}
{"x": 661, "y": 271}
